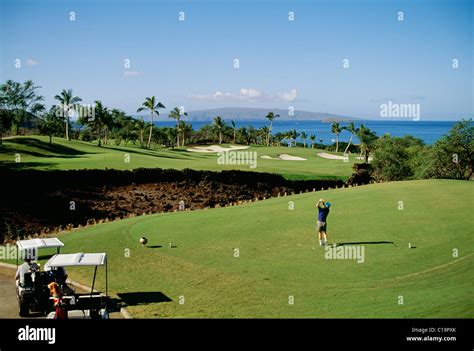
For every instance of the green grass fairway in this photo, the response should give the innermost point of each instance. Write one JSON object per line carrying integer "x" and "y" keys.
{"x": 37, "y": 153}
{"x": 280, "y": 256}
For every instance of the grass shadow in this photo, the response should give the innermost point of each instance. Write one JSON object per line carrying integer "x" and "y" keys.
{"x": 146, "y": 297}
{"x": 142, "y": 152}
{"x": 366, "y": 243}
{"x": 21, "y": 166}
{"x": 54, "y": 150}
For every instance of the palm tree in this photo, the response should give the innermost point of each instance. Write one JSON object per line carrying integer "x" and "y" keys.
{"x": 270, "y": 116}
{"x": 313, "y": 139}
{"x": 151, "y": 105}
{"x": 219, "y": 126}
{"x": 109, "y": 124}
{"x": 279, "y": 137}
{"x": 140, "y": 126}
{"x": 180, "y": 129}
{"x": 252, "y": 135}
{"x": 264, "y": 133}
{"x": 68, "y": 101}
{"x": 293, "y": 136}
{"x": 304, "y": 136}
{"x": 176, "y": 114}
{"x": 287, "y": 136}
{"x": 336, "y": 129}
{"x": 244, "y": 135}
{"x": 116, "y": 125}
{"x": 187, "y": 132}
{"x": 170, "y": 134}
{"x": 351, "y": 128}
{"x": 367, "y": 141}
{"x": 101, "y": 117}
{"x": 234, "y": 128}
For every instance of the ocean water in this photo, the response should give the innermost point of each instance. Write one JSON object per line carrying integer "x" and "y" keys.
{"x": 428, "y": 131}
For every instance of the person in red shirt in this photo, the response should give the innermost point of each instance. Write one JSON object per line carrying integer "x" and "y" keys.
{"x": 59, "y": 305}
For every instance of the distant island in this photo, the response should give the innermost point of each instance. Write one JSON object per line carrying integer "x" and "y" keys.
{"x": 253, "y": 114}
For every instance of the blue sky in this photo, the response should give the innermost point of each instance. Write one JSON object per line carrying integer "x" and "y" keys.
{"x": 283, "y": 63}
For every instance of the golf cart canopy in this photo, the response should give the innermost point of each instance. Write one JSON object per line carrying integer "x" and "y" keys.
{"x": 93, "y": 301}
{"x": 39, "y": 243}
{"x": 77, "y": 259}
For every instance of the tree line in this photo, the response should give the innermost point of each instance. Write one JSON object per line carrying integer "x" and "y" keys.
{"x": 393, "y": 158}
{"x": 20, "y": 104}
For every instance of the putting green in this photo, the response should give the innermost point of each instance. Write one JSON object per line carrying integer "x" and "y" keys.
{"x": 36, "y": 153}
{"x": 279, "y": 260}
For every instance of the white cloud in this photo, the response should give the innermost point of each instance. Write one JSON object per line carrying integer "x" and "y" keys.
{"x": 131, "y": 74}
{"x": 248, "y": 94}
{"x": 290, "y": 96}
{"x": 31, "y": 62}
{"x": 243, "y": 94}
{"x": 218, "y": 95}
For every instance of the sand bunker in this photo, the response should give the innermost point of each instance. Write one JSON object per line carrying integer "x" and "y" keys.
{"x": 330, "y": 156}
{"x": 216, "y": 148}
{"x": 337, "y": 157}
{"x": 284, "y": 157}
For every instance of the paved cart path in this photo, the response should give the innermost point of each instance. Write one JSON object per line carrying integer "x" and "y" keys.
{"x": 8, "y": 302}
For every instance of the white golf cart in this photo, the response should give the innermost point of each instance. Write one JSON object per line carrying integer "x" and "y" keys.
{"x": 33, "y": 293}
{"x": 92, "y": 304}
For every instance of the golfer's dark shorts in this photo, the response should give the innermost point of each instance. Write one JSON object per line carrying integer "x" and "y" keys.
{"x": 321, "y": 226}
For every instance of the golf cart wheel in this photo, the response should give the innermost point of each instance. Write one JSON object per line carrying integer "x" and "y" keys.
{"x": 24, "y": 308}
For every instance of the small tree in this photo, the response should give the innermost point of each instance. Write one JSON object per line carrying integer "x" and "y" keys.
{"x": 392, "y": 157}
{"x": 6, "y": 104}
{"x": 5, "y": 122}
{"x": 313, "y": 140}
{"x": 51, "y": 124}
{"x": 452, "y": 156}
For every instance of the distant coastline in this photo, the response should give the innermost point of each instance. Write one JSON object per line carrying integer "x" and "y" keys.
{"x": 428, "y": 131}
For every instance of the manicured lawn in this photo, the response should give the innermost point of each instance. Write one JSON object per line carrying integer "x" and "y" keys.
{"x": 37, "y": 153}
{"x": 279, "y": 256}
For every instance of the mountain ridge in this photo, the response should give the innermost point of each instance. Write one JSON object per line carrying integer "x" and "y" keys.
{"x": 248, "y": 113}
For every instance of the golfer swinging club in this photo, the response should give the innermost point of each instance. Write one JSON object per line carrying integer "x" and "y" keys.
{"x": 323, "y": 212}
